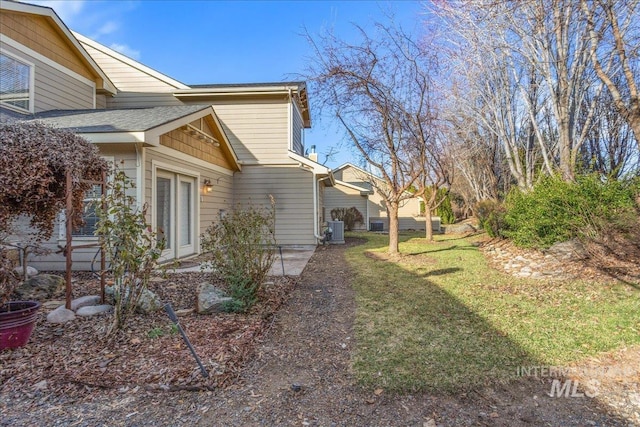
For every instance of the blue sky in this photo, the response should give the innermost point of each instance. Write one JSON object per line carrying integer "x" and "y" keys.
{"x": 230, "y": 42}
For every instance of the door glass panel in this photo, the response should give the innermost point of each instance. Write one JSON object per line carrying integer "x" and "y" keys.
{"x": 185, "y": 213}
{"x": 163, "y": 210}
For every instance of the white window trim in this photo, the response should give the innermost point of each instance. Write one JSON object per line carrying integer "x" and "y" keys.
{"x": 166, "y": 167}
{"x": 32, "y": 82}
{"x": 62, "y": 223}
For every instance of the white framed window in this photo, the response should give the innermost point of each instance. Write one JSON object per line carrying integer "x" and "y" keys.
{"x": 92, "y": 198}
{"x": 91, "y": 201}
{"x": 16, "y": 82}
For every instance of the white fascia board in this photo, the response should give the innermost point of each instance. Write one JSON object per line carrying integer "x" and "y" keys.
{"x": 314, "y": 167}
{"x": 131, "y": 62}
{"x": 241, "y": 90}
{"x": 354, "y": 187}
{"x": 226, "y": 139}
{"x": 114, "y": 137}
{"x": 49, "y": 12}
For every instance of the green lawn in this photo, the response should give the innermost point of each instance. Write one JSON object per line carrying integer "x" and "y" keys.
{"x": 439, "y": 319}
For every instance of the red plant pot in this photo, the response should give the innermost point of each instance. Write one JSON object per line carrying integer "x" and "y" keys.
{"x": 17, "y": 319}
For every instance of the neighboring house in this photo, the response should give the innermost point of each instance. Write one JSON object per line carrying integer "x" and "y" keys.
{"x": 245, "y": 142}
{"x": 354, "y": 187}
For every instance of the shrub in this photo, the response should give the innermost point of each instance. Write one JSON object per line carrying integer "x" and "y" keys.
{"x": 134, "y": 250}
{"x": 350, "y": 216}
{"x": 556, "y": 210}
{"x": 444, "y": 210}
{"x": 241, "y": 250}
{"x": 34, "y": 160}
{"x": 491, "y": 217}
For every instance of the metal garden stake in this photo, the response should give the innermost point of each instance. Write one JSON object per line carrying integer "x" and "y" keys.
{"x": 174, "y": 319}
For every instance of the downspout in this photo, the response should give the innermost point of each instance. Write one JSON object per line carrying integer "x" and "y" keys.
{"x": 316, "y": 233}
{"x": 367, "y": 226}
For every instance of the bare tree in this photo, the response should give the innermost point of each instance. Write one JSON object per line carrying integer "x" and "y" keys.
{"x": 379, "y": 90}
{"x": 528, "y": 60}
{"x": 614, "y": 37}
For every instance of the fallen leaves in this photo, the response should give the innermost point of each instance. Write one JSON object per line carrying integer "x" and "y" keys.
{"x": 77, "y": 358}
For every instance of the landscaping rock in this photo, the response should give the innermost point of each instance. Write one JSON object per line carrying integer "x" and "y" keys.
{"x": 569, "y": 250}
{"x": 185, "y": 312}
{"x": 149, "y": 302}
{"x": 84, "y": 302}
{"x": 92, "y": 310}
{"x": 40, "y": 287}
{"x": 459, "y": 229}
{"x": 210, "y": 299}
{"x": 30, "y": 271}
{"x": 61, "y": 315}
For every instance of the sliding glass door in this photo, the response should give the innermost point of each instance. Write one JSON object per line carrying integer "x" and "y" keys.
{"x": 175, "y": 213}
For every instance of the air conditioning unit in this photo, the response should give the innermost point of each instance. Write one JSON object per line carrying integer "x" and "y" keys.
{"x": 376, "y": 226}
{"x": 337, "y": 227}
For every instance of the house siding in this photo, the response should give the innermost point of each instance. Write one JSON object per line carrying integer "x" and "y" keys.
{"x": 293, "y": 192}
{"x": 296, "y": 130}
{"x": 126, "y": 77}
{"x": 257, "y": 130}
{"x": 341, "y": 196}
{"x": 54, "y": 89}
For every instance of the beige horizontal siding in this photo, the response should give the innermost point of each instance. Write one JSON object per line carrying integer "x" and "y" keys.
{"x": 53, "y": 89}
{"x": 340, "y": 196}
{"x": 101, "y": 101}
{"x": 258, "y": 131}
{"x": 296, "y": 132}
{"x": 126, "y": 77}
{"x": 293, "y": 192}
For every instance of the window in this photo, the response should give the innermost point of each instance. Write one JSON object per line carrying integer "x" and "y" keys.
{"x": 92, "y": 198}
{"x": 16, "y": 83}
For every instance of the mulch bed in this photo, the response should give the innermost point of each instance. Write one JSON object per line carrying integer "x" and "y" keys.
{"x": 78, "y": 359}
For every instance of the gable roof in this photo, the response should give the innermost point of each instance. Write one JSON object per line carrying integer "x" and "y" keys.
{"x": 134, "y": 125}
{"x": 359, "y": 169}
{"x": 132, "y": 63}
{"x": 54, "y": 19}
{"x": 363, "y": 191}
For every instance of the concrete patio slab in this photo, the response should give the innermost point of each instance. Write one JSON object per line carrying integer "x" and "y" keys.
{"x": 292, "y": 262}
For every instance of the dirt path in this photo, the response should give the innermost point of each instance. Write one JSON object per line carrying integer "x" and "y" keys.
{"x": 301, "y": 375}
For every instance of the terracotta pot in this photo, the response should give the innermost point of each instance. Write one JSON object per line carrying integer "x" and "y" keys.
{"x": 17, "y": 319}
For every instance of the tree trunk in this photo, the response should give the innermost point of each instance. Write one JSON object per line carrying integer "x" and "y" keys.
{"x": 392, "y": 210}
{"x": 427, "y": 224}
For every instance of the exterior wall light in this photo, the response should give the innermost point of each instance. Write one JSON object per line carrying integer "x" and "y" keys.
{"x": 207, "y": 186}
